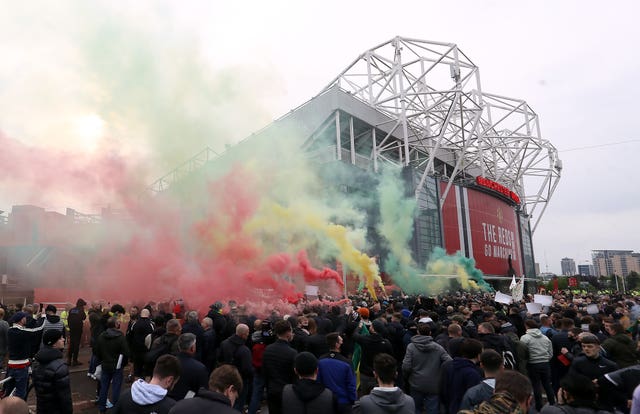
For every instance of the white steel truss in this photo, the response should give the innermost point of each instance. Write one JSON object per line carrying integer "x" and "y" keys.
{"x": 432, "y": 93}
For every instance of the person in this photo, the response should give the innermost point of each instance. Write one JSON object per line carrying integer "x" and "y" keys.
{"x": 261, "y": 336}
{"x": 20, "y": 343}
{"x": 151, "y": 397}
{"x": 141, "y": 329}
{"x": 194, "y": 373}
{"x": 492, "y": 364}
{"x": 52, "y": 321}
{"x": 512, "y": 396}
{"x": 372, "y": 345}
{"x": 635, "y": 401}
{"x": 193, "y": 326}
{"x": 225, "y": 384}
{"x": 278, "y": 365}
{"x": 591, "y": 364}
{"x": 460, "y": 374}
{"x": 620, "y": 348}
{"x": 209, "y": 344}
{"x": 167, "y": 343}
{"x": 4, "y": 329}
{"x": 577, "y": 394}
{"x": 112, "y": 349}
{"x": 561, "y": 340}
{"x": 307, "y": 395}
{"x": 539, "y": 369}
{"x": 75, "y": 320}
{"x": 386, "y": 397}
{"x": 234, "y": 350}
{"x": 51, "y": 376}
{"x": 336, "y": 373}
{"x": 422, "y": 366}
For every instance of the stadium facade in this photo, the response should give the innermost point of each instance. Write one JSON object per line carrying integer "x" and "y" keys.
{"x": 476, "y": 163}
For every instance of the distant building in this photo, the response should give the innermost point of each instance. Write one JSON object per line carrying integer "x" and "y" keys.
{"x": 618, "y": 262}
{"x": 585, "y": 270}
{"x": 568, "y": 266}
{"x": 537, "y": 267}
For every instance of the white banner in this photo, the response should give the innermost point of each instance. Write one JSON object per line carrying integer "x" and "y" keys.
{"x": 311, "y": 290}
{"x": 544, "y": 300}
{"x": 502, "y": 298}
{"x": 534, "y": 308}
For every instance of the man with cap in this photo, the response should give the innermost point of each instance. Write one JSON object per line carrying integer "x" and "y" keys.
{"x": 20, "y": 341}
{"x": 307, "y": 395}
{"x": 75, "y": 320}
{"x": 51, "y": 376}
{"x": 219, "y": 322}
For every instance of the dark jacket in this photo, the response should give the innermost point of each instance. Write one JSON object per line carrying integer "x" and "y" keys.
{"x": 592, "y": 368}
{"x": 144, "y": 398}
{"x": 197, "y": 330}
{"x": 110, "y": 345}
{"x": 76, "y": 318}
{"x": 277, "y": 366}
{"x": 422, "y": 362}
{"x": 458, "y": 376}
{"x": 372, "y": 345}
{"x": 317, "y": 345}
{"x": 571, "y": 409}
{"x": 621, "y": 349}
{"x": 20, "y": 342}
{"x": 383, "y": 402}
{"x": 476, "y": 395}
{"x": 234, "y": 351}
{"x": 309, "y": 397}
{"x": 336, "y": 373}
{"x": 51, "y": 381}
{"x": 194, "y": 376}
{"x": 209, "y": 349}
{"x": 204, "y": 402}
{"x": 141, "y": 328}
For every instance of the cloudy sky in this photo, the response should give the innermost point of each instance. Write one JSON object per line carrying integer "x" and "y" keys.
{"x": 128, "y": 79}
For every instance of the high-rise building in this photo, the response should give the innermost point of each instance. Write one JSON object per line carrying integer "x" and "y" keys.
{"x": 585, "y": 270}
{"x": 568, "y": 266}
{"x": 615, "y": 262}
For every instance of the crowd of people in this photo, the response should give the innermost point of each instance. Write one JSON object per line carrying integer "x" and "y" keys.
{"x": 444, "y": 354}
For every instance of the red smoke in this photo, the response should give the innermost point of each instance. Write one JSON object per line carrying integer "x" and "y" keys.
{"x": 193, "y": 247}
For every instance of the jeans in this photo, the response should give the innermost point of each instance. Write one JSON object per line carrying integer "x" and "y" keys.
{"x": 540, "y": 375}
{"x": 429, "y": 401}
{"x": 93, "y": 363}
{"x": 256, "y": 394}
{"x": 21, "y": 379}
{"x": 113, "y": 378}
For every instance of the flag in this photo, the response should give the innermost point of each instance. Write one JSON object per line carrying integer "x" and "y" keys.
{"x": 513, "y": 282}
{"x": 517, "y": 293}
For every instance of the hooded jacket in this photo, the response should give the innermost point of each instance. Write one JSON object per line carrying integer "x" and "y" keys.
{"x": 539, "y": 346}
{"x": 422, "y": 363}
{"x": 51, "y": 381}
{"x": 144, "y": 398}
{"x": 385, "y": 401}
{"x": 307, "y": 396}
{"x": 50, "y": 323}
{"x": 459, "y": 375}
{"x": 110, "y": 345}
{"x": 336, "y": 373}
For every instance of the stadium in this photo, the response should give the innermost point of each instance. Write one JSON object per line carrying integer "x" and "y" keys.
{"x": 475, "y": 162}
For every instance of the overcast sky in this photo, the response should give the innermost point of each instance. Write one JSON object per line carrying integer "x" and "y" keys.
{"x": 575, "y": 62}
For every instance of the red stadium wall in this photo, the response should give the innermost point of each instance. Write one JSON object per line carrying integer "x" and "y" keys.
{"x": 482, "y": 227}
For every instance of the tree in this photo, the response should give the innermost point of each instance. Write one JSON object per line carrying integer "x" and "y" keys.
{"x": 633, "y": 280}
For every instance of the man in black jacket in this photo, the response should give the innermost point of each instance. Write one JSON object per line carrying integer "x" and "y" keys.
{"x": 138, "y": 337}
{"x": 113, "y": 351}
{"x": 75, "y": 320}
{"x": 20, "y": 342}
{"x": 278, "y": 365}
{"x": 51, "y": 376}
{"x": 194, "y": 373}
{"x": 234, "y": 351}
{"x": 151, "y": 397}
{"x": 224, "y": 386}
{"x": 307, "y": 395}
{"x": 372, "y": 345}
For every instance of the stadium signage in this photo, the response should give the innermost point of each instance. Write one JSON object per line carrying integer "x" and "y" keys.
{"x": 499, "y": 188}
